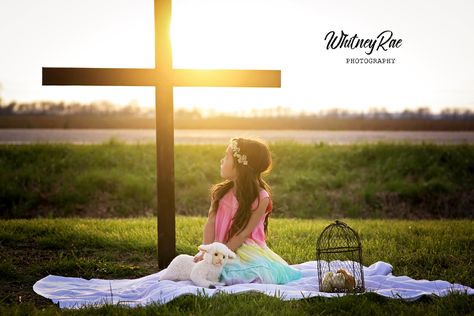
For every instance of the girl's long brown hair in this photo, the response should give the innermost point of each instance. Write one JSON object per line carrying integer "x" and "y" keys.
{"x": 248, "y": 183}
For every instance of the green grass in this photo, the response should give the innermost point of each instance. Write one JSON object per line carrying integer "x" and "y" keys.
{"x": 126, "y": 248}
{"x": 309, "y": 181}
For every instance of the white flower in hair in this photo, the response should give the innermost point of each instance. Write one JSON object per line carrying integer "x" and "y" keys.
{"x": 235, "y": 149}
{"x": 243, "y": 159}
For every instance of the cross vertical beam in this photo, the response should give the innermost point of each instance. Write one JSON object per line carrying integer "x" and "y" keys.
{"x": 164, "y": 136}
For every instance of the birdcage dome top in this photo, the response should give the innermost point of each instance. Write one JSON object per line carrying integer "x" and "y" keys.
{"x": 338, "y": 236}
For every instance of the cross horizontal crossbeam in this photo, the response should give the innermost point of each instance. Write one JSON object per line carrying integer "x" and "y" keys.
{"x": 153, "y": 77}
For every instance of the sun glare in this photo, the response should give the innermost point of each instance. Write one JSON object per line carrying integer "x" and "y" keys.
{"x": 196, "y": 43}
{"x": 213, "y": 36}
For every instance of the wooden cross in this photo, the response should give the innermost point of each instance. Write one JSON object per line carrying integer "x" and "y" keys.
{"x": 163, "y": 77}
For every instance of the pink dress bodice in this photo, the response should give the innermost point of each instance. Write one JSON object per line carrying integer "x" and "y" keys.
{"x": 226, "y": 211}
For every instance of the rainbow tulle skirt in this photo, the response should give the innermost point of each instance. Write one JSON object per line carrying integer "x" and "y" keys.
{"x": 257, "y": 264}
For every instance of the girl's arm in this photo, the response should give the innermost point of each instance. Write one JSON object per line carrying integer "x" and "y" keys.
{"x": 237, "y": 240}
{"x": 209, "y": 234}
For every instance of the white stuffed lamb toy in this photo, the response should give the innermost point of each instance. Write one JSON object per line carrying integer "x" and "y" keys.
{"x": 204, "y": 273}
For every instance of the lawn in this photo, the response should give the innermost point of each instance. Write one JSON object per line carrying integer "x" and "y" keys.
{"x": 126, "y": 248}
{"x": 88, "y": 211}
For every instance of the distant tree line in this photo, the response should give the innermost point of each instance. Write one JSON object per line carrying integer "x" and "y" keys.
{"x": 106, "y": 108}
{"x": 73, "y": 108}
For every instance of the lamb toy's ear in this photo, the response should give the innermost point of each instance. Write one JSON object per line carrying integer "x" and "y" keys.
{"x": 204, "y": 248}
{"x": 231, "y": 254}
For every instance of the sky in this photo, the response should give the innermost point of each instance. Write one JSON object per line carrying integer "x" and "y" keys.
{"x": 433, "y": 66}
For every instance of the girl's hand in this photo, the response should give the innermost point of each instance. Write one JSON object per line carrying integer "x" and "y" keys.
{"x": 199, "y": 257}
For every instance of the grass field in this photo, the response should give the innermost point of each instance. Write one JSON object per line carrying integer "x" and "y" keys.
{"x": 126, "y": 248}
{"x": 378, "y": 189}
{"x": 309, "y": 181}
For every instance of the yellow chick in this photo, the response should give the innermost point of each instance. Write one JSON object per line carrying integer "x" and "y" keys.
{"x": 349, "y": 279}
{"x": 339, "y": 281}
{"x": 326, "y": 285}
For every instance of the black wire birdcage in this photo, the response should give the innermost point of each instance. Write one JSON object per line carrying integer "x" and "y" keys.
{"x": 339, "y": 259}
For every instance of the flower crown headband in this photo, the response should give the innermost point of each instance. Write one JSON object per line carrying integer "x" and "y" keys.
{"x": 235, "y": 150}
